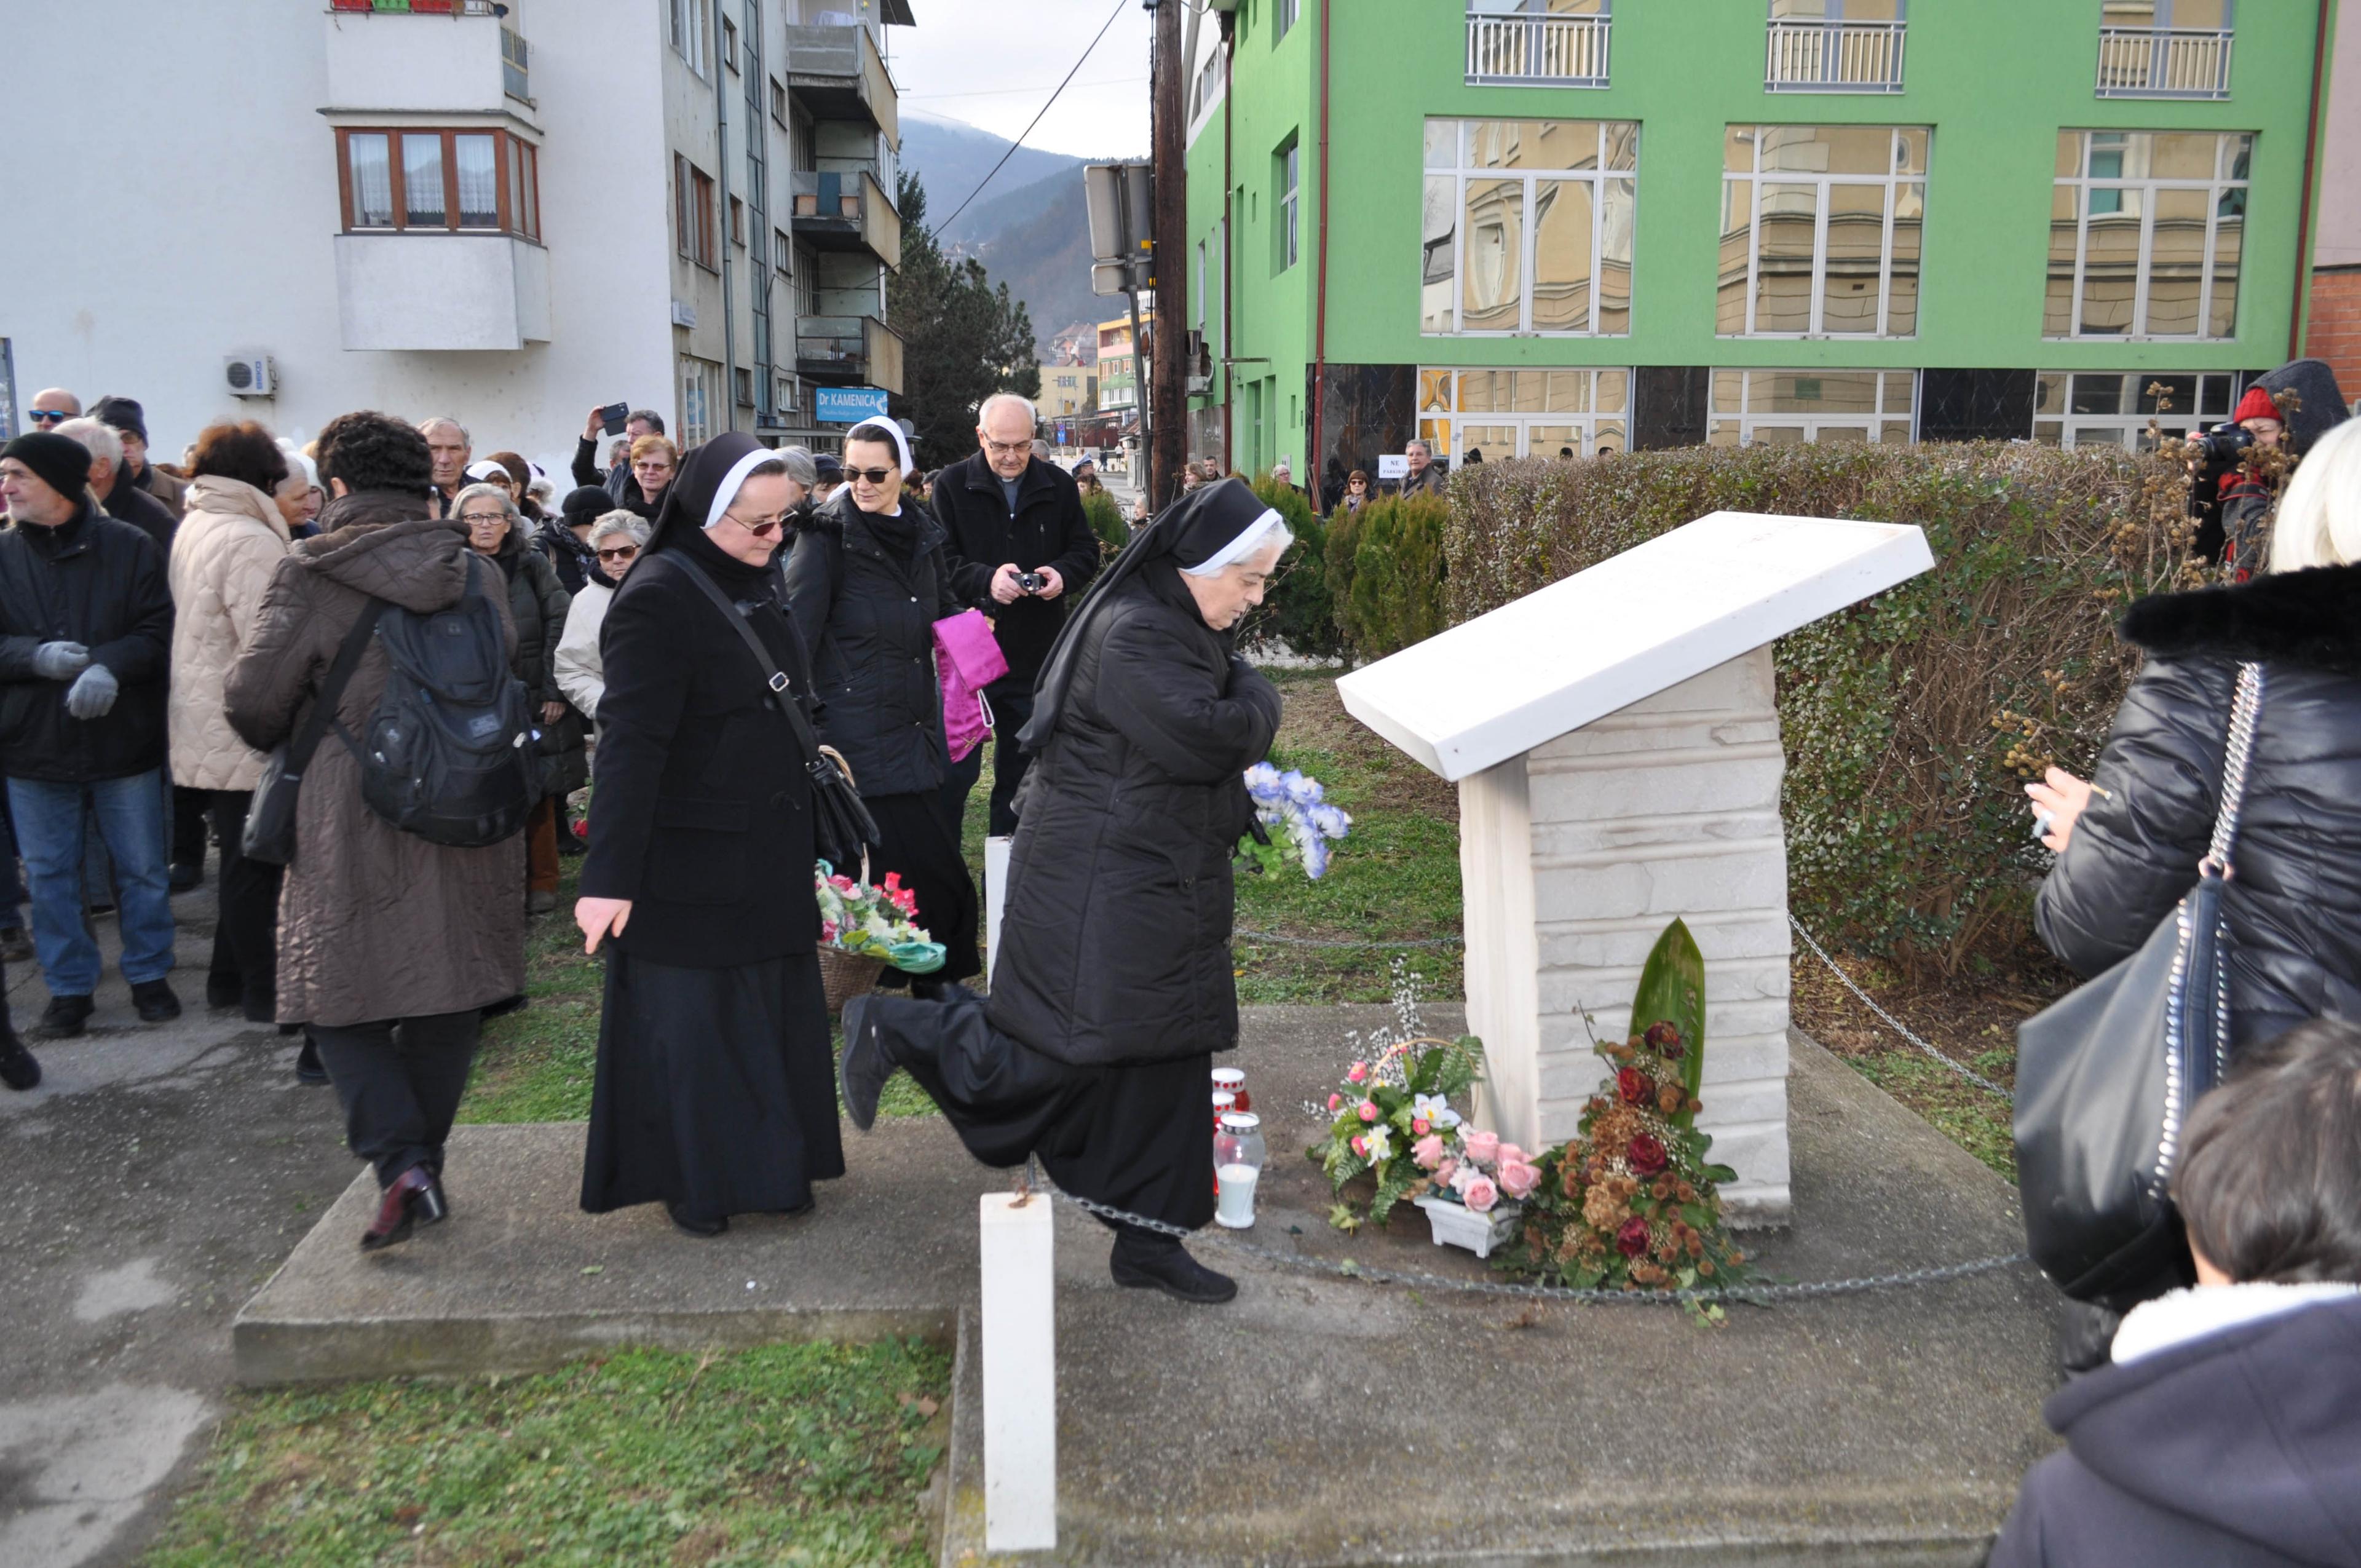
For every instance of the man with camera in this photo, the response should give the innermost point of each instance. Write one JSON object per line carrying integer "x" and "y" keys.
{"x": 1020, "y": 550}
{"x": 2228, "y": 496}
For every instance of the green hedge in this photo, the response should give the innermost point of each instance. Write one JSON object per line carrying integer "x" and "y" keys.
{"x": 1386, "y": 573}
{"x": 1106, "y": 521}
{"x": 1297, "y": 610}
{"x": 1910, "y": 721}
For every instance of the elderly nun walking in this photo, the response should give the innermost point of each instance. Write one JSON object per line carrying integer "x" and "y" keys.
{"x": 1113, "y": 986}
{"x": 713, "y": 1093}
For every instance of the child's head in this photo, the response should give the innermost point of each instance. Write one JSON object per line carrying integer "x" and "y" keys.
{"x": 2269, "y": 1179}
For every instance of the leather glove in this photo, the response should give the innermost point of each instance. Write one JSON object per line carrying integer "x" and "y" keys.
{"x": 91, "y": 693}
{"x": 60, "y": 661}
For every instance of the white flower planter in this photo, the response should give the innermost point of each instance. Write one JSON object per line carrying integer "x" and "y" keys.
{"x": 1455, "y": 1224}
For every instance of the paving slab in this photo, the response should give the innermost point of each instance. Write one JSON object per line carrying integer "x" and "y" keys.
{"x": 1317, "y": 1422}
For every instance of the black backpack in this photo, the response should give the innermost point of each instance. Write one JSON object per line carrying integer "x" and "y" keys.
{"x": 451, "y": 754}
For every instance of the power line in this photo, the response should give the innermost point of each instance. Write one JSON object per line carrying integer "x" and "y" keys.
{"x": 1028, "y": 131}
{"x": 1019, "y": 92}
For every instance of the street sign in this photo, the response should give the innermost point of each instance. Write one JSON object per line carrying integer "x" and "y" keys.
{"x": 1120, "y": 199}
{"x": 848, "y": 405}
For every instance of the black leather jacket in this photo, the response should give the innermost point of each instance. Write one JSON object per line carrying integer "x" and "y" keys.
{"x": 2294, "y": 901}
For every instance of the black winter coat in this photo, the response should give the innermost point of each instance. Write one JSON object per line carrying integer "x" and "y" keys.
{"x": 128, "y": 503}
{"x": 2241, "y": 1447}
{"x": 99, "y": 582}
{"x": 1047, "y": 529}
{"x": 537, "y": 603}
{"x": 2294, "y": 905}
{"x": 1115, "y": 936}
{"x": 618, "y": 481}
{"x": 702, "y": 814}
{"x": 573, "y": 560}
{"x": 867, "y": 611}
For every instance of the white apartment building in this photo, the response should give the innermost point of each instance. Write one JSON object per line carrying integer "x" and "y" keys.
{"x": 506, "y": 212}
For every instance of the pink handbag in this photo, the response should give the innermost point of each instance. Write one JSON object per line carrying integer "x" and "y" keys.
{"x": 967, "y": 660}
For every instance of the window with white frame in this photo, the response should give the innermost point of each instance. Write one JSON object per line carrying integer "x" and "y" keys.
{"x": 1284, "y": 15}
{"x": 700, "y": 401}
{"x": 2146, "y": 232}
{"x": 686, "y": 19}
{"x": 2111, "y": 407}
{"x": 1290, "y": 184}
{"x": 1523, "y": 413}
{"x": 1787, "y": 408}
{"x": 1527, "y": 228}
{"x": 1821, "y": 231}
{"x": 1197, "y": 290}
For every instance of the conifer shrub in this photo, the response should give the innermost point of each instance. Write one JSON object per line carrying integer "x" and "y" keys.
{"x": 1910, "y": 721}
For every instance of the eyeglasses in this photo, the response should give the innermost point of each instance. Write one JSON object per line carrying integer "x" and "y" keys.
{"x": 1007, "y": 448}
{"x": 620, "y": 553}
{"x": 874, "y": 476}
{"x": 762, "y": 528}
{"x": 481, "y": 519}
{"x": 49, "y": 416}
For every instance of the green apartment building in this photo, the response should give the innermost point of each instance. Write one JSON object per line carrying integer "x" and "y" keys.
{"x": 1532, "y": 227}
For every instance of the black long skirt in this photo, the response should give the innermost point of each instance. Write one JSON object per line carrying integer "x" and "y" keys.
{"x": 918, "y": 843}
{"x": 716, "y": 1089}
{"x": 1140, "y": 1138}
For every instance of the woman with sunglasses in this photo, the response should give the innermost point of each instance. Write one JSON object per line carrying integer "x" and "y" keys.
{"x": 713, "y": 1093}
{"x": 867, "y": 583}
{"x": 614, "y": 542}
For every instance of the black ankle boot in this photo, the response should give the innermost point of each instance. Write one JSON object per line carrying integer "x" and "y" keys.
{"x": 1144, "y": 1260}
{"x": 19, "y": 1068}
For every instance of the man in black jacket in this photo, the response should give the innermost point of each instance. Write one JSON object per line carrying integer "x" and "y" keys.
{"x": 618, "y": 479}
{"x": 85, "y": 638}
{"x": 1010, "y": 516}
{"x": 111, "y": 486}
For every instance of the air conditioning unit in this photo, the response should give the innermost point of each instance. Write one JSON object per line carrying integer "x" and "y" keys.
{"x": 250, "y": 375}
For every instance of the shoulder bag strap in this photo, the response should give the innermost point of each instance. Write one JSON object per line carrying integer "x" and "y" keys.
{"x": 772, "y": 677}
{"x": 331, "y": 690}
{"x": 2245, "y": 711}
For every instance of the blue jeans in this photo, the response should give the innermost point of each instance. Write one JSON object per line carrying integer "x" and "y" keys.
{"x": 133, "y": 821}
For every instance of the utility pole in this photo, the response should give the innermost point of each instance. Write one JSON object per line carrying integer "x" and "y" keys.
{"x": 1168, "y": 429}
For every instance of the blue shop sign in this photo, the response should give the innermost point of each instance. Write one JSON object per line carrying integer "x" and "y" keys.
{"x": 849, "y": 405}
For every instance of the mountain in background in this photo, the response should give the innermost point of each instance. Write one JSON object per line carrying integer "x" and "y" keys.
{"x": 1029, "y": 228}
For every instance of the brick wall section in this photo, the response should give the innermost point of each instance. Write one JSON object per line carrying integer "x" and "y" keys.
{"x": 2334, "y": 332}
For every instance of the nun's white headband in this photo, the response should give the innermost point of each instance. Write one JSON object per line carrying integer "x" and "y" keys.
{"x": 735, "y": 481}
{"x": 1237, "y": 549}
{"x": 907, "y": 464}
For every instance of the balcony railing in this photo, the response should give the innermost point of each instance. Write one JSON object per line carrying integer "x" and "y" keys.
{"x": 1544, "y": 52}
{"x": 1834, "y": 57}
{"x": 2164, "y": 62}
{"x": 839, "y": 75}
{"x": 847, "y": 210}
{"x": 859, "y": 347}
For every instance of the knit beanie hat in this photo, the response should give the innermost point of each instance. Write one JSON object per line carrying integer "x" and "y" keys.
{"x": 586, "y": 504}
{"x": 2257, "y": 404}
{"x": 121, "y": 413}
{"x": 61, "y": 462}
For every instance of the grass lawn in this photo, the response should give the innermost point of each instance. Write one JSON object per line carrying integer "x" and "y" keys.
{"x": 806, "y": 1453}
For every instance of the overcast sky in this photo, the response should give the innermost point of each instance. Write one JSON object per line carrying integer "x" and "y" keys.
{"x": 994, "y": 65}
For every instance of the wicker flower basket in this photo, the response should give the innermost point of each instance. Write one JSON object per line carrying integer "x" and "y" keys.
{"x": 847, "y": 975}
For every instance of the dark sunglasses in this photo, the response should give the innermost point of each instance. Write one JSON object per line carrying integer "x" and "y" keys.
{"x": 52, "y": 416}
{"x": 762, "y": 530}
{"x": 622, "y": 552}
{"x": 874, "y": 476}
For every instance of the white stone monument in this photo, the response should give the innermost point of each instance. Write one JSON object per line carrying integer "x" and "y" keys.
{"x": 1617, "y": 751}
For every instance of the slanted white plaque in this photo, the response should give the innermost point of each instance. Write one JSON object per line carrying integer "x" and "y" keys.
{"x": 1616, "y": 743}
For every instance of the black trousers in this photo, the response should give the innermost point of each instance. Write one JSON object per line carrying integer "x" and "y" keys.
{"x": 189, "y": 808}
{"x": 399, "y": 1080}
{"x": 1012, "y": 705}
{"x": 246, "y": 932}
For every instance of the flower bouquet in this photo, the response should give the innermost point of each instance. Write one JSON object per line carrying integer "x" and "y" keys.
{"x": 863, "y": 928}
{"x": 1393, "y": 1117}
{"x": 1294, "y": 823}
{"x": 1631, "y": 1202}
{"x": 1474, "y": 1188}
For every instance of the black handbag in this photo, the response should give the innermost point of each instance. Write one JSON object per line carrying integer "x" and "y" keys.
{"x": 270, "y": 836}
{"x": 2106, "y": 1077}
{"x": 842, "y": 829}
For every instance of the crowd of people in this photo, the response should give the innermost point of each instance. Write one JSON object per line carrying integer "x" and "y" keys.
{"x": 737, "y": 640}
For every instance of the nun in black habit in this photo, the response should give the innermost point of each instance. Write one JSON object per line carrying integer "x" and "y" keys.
{"x": 1113, "y": 985}
{"x": 714, "y": 1094}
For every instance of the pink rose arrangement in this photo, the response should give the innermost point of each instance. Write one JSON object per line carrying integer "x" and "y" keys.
{"x": 1392, "y": 1129}
{"x": 1486, "y": 1171}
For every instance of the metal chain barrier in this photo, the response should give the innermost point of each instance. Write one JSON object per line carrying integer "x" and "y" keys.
{"x": 1978, "y": 1079}
{"x": 1744, "y": 1295}
{"x": 1313, "y": 942}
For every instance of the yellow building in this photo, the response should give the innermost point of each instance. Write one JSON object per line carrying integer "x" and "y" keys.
{"x": 1067, "y": 390}
{"x": 1119, "y": 367}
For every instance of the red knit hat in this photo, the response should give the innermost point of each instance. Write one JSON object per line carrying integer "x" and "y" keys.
{"x": 2257, "y": 404}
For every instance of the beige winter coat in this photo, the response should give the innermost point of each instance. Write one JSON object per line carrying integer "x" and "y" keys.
{"x": 223, "y": 558}
{"x": 374, "y": 923}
